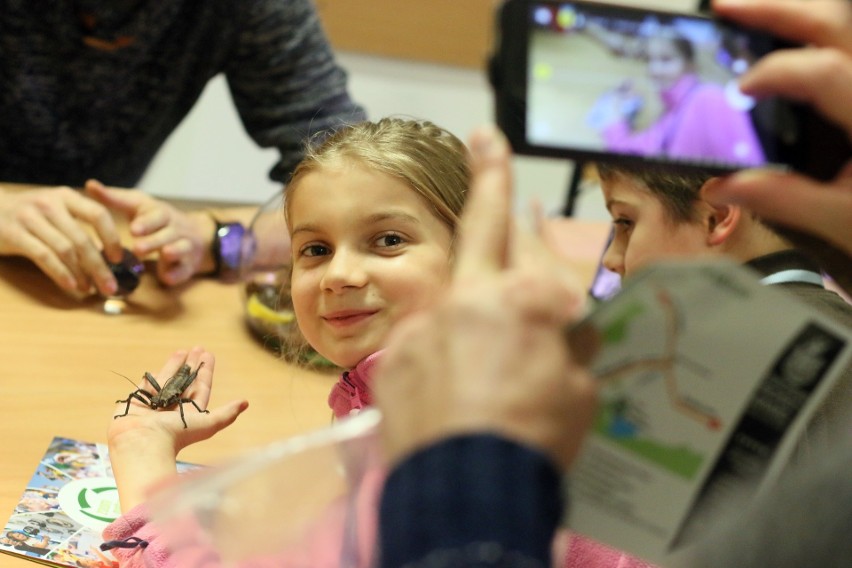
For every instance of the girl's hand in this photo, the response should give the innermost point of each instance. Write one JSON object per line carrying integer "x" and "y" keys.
{"x": 144, "y": 444}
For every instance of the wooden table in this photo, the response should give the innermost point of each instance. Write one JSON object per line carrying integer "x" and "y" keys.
{"x": 59, "y": 356}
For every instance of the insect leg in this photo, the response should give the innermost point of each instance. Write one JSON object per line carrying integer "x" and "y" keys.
{"x": 138, "y": 395}
{"x": 150, "y": 378}
{"x": 189, "y": 400}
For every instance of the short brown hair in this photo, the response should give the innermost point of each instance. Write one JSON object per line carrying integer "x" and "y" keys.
{"x": 678, "y": 190}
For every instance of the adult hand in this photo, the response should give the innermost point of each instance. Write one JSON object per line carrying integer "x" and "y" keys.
{"x": 144, "y": 444}
{"x": 50, "y": 227}
{"x": 181, "y": 240}
{"x": 821, "y": 75}
{"x": 492, "y": 356}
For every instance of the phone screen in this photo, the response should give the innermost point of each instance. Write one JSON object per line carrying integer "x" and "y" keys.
{"x": 608, "y": 79}
{"x": 590, "y": 81}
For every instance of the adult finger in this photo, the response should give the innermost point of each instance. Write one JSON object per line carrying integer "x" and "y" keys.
{"x": 172, "y": 273}
{"x": 822, "y": 210}
{"x": 48, "y": 246}
{"x": 96, "y": 211}
{"x": 150, "y": 221}
{"x": 818, "y": 22}
{"x": 49, "y": 262}
{"x": 124, "y": 201}
{"x": 89, "y": 254}
{"x": 485, "y": 225}
{"x": 821, "y": 77}
{"x": 133, "y": 204}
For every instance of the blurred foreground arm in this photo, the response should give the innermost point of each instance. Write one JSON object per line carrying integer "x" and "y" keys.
{"x": 483, "y": 407}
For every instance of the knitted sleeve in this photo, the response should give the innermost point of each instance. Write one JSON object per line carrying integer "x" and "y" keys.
{"x": 284, "y": 79}
{"x": 476, "y": 500}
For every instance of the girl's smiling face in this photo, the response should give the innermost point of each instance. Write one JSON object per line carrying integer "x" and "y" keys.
{"x": 367, "y": 251}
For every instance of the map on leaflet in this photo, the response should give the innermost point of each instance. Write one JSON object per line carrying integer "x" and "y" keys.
{"x": 631, "y": 414}
{"x": 700, "y": 372}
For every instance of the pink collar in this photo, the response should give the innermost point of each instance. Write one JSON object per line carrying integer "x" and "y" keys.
{"x": 352, "y": 391}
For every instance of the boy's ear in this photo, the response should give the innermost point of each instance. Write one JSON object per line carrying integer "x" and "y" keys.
{"x": 722, "y": 220}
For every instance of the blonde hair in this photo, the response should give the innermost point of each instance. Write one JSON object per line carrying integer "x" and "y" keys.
{"x": 427, "y": 158}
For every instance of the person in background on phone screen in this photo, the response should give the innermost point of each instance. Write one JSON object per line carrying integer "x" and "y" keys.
{"x": 469, "y": 415}
{"x": 699, "y": 118}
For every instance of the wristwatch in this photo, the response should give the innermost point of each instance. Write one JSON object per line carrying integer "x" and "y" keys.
{"x": 233, "y": 250}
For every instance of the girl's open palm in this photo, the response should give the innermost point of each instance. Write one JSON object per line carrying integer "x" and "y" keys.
{"x": 166, "y": 424}
{"x": 144, "y": 442}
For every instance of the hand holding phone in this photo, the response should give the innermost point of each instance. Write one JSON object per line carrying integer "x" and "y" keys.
{"x": 592, "y": 81}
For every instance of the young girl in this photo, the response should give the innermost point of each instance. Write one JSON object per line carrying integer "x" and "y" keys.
{"x": 372, "y": 215}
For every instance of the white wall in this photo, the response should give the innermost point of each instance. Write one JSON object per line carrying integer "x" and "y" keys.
{"x": 210, "y": 156}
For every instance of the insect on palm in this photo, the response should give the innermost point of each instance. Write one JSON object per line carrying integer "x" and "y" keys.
{"x": 167, "y": 396}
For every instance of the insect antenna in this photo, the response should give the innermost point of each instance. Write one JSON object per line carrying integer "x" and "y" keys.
{"x": 127, "y": 378}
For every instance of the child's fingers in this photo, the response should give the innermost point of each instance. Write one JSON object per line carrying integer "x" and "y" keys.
{"x": 171, "y": 366}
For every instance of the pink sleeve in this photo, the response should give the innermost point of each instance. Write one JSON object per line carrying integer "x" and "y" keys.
{"x": 732, "y": 137}
{"x": 188, "y": 545}
{"x": 583, "y": 552}
{"x": 134, "y": 527}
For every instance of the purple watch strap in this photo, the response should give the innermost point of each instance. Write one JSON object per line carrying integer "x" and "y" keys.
{"x": 233, "y": 248}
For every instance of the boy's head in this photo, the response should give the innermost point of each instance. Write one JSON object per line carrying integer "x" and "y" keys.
{"x": 660, "y": 212}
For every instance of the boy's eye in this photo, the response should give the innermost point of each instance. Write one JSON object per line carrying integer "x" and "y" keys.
{"x": 390, "y": 240}
{"x": 622, "y": 224}
{"x": 314, "y": 250}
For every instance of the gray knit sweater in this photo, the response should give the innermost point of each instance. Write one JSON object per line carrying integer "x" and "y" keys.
{"x": 92, "y": 88}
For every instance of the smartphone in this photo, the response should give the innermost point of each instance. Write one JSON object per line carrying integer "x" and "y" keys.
{"x": 593, "y": 81}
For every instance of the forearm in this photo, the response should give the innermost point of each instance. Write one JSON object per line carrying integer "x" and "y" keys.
{"x": 138, "y": 463}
